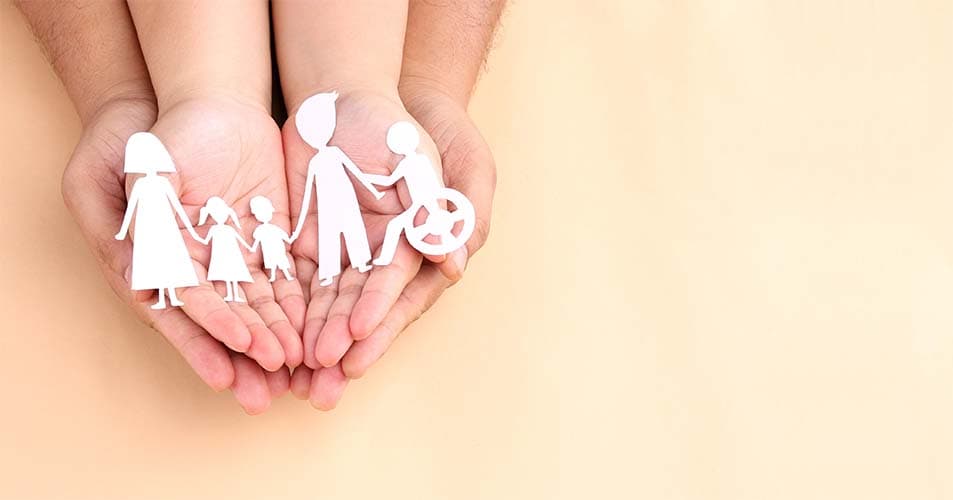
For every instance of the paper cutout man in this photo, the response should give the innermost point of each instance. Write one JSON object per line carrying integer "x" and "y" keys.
{"x": 227, "y": 262}
{"x": 426, "y": 190}
{"x": 338, "y": 211}
{"x": 160, "y": 260}
{"x": 271, "y": 237}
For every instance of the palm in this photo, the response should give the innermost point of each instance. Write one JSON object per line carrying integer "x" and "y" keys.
{"x": 232, "y": 150}
{"x": 362, "y": 123}
{"x": 93, "y": 191}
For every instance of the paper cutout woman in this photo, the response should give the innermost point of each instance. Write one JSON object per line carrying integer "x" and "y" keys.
{"x": 338, "y": 211}
{"x": 426, "y": 190}
{"x": 160, "y": 260}
{"x": 271, "y": 237}
{"x": 227, "y": 262}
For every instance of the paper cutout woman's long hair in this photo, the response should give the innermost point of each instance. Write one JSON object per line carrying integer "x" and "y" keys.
{"x": 145, "y": 154}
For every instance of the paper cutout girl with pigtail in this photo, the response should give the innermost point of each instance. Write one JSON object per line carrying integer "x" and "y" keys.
{"x": 160, "y": 260}
{"x": 426, "y": 190}
{"x": 227, "y": 262}
{"x": 271, "y": 237}
{"x": 338, "y": 211}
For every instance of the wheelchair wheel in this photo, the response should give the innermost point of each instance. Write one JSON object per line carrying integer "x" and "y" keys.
{"x": 441, "y": 224}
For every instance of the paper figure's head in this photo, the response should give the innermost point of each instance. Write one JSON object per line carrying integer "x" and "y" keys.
{"x": 145, "y": 154}
{"x": 219, "y": 210}
{"x": 403, "y": 138}
{"x": 262, "y": 208}
{"x": 316, "y": 119}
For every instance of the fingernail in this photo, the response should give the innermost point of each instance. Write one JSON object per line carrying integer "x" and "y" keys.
{"x": 460, "y": 260}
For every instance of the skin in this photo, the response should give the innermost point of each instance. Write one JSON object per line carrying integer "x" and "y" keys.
{"x": 105, "y": 75}
{"x": 351, "y": 325}
{"x": 425, "y": 78}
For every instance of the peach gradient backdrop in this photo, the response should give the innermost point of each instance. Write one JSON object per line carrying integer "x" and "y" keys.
{"x": 721, "y": 267}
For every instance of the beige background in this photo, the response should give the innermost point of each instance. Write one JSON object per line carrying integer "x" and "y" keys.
{"x": 721, "y": 268}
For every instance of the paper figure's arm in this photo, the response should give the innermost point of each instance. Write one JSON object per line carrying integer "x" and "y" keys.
{"x": 254, "y": 245}
{"x": 360, "y": 176}
{"x": 245, "y": 243}
{"x": 130, "y": 209}
{"x": 305, "y": 203}
{"x": 174, "y": 200}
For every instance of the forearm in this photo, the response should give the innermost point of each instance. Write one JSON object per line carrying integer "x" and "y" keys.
{"x": 208, "y": 47}
{"x": 446, "y": 46}
{"x": 338, "y": 45}
{"x": 92, "y": 46}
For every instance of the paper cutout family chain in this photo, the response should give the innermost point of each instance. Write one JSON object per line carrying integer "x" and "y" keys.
{"x": 161, "y": 261}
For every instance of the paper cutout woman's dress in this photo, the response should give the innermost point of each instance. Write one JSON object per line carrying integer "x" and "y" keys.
{"x": 160, "y": 260}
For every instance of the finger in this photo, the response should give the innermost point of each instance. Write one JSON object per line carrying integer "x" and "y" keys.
{"x": 261, "y": 298}
{"x": 419, "y": 295}
{"x": 321, "y": 299}
{"x": 206, "y": 307}
{"x": 250, "y": 386}
{"x": 469, "y": 167}
{"x": 207, "y": 356}
{"x": 301, "y": 382}
{"x": 327, "y": 386}
{"x": 290, "y": 296}
{"x": 335, "y": 337}
{"x": 383, "y": 287}
{"x": 278, "y": 382}
{"x": 264, "y": 348}
{"x": 453, "y": 266}
{"x": 305, "y": 270}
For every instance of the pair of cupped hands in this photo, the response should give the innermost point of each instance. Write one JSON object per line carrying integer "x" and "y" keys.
{"x": 291, "y": 334}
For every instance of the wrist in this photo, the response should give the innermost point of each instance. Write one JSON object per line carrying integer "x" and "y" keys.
{"x": 133, "y": 95}
{"x": 176, "y": 95}
{"x": 304, "y": 84}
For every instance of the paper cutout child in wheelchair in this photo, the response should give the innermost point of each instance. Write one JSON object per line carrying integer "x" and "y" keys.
{"x": 227, "y": 263}
{"x": 426, "y": 191}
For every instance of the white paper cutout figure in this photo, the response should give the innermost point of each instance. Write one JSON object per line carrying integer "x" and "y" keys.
{"x": 160, "y": 260}
{"x": 227, "y": 262}
{"x": 338, "y": 211}
{"x": 426, "y": 190}
{"x": 271, "y": 237}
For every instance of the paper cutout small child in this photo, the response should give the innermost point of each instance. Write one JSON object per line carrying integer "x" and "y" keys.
{"x": 271, "y": 237}
{"x": 338, "y": 211}
{"x": 160, "y": 260}
{"x": 227, "y": 263}
{"x": 426, "y": 190}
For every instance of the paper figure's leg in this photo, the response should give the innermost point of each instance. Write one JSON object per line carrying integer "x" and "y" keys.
{"x": 173, "y": 299}
{"x": 392, "y": 237}
{"x": 358, "y": 250}
{"x": 228, "y": 292}
{"x": 161, "y": 303}
{"x": 329, "y": 256}
{"x": 287, "y": 274}
{"x": 272, "y": 278}
{"x": 237, "y": 289}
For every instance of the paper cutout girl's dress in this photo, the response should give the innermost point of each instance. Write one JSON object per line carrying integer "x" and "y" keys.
{"x": 338, "y": 211}
{"x": 271, "y": 237}
{"x": 227, "y": 263}
{"x": 160, "y": 260}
